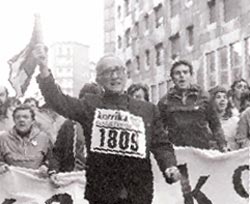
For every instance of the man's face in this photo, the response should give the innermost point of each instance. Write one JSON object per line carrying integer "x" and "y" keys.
{"x": 182, "y": 77}
{"x": 240, "y": 87}
{"x": 3, "y": 95}
{"x": 139, "y": 95}
{"x": 112, "y": 75}
{"x": 23, "y": 120}
{"x": 31, "y": 104}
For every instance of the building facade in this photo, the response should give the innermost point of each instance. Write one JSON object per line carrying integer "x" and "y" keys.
{"x": 70, "y": 66}
{"x": 150, "y": 35}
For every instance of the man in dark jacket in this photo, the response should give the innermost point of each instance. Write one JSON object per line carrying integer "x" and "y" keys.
{"x": 120, "y": 133}
{"x": 187, "y": 114}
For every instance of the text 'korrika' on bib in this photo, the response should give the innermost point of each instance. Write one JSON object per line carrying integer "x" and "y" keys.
{"x": 118, "y": 132}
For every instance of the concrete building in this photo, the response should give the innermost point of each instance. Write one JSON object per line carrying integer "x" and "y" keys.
{"x": 150, "y": 35}
{"x": 70, "y": 64}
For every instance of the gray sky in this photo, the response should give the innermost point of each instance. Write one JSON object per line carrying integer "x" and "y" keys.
{"x": 62, "y": 20}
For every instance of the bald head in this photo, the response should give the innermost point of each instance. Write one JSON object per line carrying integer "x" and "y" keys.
{"x": 111, "y": 73}
{"x": 106, "y": 61}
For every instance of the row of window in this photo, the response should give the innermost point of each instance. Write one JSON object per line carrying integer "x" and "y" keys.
{"x": 231, "y": 10}
{"x": 228, "y": 63}
{"x": 159, "y": 59}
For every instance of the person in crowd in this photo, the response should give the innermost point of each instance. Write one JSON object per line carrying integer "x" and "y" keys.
{"x": 244, "y": 101}
{"x": 68, "y": 152}
{"x": 120, "y": 132}
{"x": 46, "y": 119}
{"x": 6, "y": 121}
{"x": 24, "y": 145}
{"x": 229, "y": 122}
{"x": 187, "y": 114}
{"x": 13, "y": 103}
{"x": 138, "y": 91}
{"x": 243, "y": 131}
{"x": 237, "y": 88}
{"x": 32, "y": 102}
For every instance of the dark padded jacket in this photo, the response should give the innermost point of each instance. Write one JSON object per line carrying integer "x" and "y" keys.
{"x": 68, "y": 151}
{"x": 193, "y": 121}
{"x": 108, "y": 174}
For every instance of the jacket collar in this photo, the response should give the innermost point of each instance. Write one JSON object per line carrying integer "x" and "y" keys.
{"x": 193, "y": 90}
{"x": 34, "y": 132}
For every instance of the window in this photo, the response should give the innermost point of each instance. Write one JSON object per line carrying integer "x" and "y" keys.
{"x": 128, "y": 37}
{"x": 154, "y": 94}
{"x": 248, "y": 59}
{"x": 129, "y": 65}
{"x": 231, "y": 9}
{"x": 60, "y": 70}
{"x": 119, "y": 42}
{"x": 162, "y": 89}
{"x": 136, "y": 30}
{"x": 158, "y": 15}
{"x": 190, "y": 35}
{"x": 223, "y": 65}
{"x": 212, "y": 11}
{"x": 211, "y": 70}
{"x": 126, "y": 7}
{"x": 189, "y": 3}
{"x": 129, "y": 68}
{"x": 146, "y": 21}
{"x": 175, "y": 46}
{"x": 147, "y": 58}
{"x": 137, "y": 63}
{"x": 174, "y": 7}
{"x": 119, "y": 12}
{"x": 159, "y": 54}
{"x": 236, "y": 58}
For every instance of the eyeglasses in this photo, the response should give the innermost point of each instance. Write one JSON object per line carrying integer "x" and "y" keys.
{"x": 110, "y": 71}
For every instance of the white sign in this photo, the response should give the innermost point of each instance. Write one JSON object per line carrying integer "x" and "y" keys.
{"x": 208, "y": 177}
{"x": 118, "y": 132}
{"x": 24, "y": 186}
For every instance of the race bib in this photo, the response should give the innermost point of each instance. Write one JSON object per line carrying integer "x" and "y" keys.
{"x": 118, "y": 132}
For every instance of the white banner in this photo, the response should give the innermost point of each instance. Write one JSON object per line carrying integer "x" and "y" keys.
{"x": 208, "y": 177}
{"x": 223, "y": 178}
{"x": 23, "y": 186}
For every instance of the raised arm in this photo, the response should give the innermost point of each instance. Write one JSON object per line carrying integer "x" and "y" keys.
{"x": 63, "y": 104}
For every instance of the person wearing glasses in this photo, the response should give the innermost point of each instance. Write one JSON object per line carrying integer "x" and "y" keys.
{"x": 120, "y": 133}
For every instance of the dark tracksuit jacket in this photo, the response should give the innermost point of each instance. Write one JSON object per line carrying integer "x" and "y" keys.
{"x": 192, "y": 122}
{"x": 68, "y": 151}
{"x": 108, "y": 173}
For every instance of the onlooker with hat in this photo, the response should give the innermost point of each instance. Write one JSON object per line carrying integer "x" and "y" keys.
{"x": 187, "y": 114}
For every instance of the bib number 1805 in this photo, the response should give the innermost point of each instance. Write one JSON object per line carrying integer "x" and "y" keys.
{"x": 118, "y": 139}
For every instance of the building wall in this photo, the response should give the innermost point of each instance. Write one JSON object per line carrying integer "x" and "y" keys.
{"x": 109, "y": 26}
{"x": 70, "y": 66}
{"x": 213, "y": 34}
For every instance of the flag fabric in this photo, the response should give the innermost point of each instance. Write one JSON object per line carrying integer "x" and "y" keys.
{"x": 22, "y": 65}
